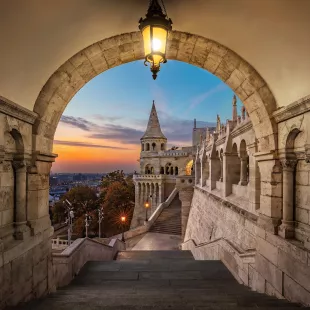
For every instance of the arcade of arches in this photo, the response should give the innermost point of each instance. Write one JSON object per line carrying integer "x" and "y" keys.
{"x": 252, "y": 175}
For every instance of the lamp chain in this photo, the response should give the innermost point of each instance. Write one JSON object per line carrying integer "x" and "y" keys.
{"x": 162, "y": 1}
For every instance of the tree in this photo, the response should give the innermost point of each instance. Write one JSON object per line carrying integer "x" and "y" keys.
{"x": 115, "y": 176}
{"x": 83, "y": 199}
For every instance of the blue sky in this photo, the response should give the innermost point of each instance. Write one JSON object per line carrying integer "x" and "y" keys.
{"x": 111, "y": 111}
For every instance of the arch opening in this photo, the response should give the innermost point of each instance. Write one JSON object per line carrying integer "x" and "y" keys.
{"x": 198, "y": 51}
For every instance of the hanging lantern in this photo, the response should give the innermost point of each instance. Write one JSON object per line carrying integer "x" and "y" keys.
{"x": 155, "y": 28}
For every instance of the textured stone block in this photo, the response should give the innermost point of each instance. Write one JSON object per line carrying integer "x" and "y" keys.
{"x": 294, "y": 292}
{"x": 294, "y": 269}
{"x": 39, "y": 272}
{"x": 212, "y": 62}
{"x": 302, "y": 215}
{"x": 22, "y": 268}
{"x": 41, "y": 289}
{"x": 268, "y": 250}
{"x": 269, "y": 271}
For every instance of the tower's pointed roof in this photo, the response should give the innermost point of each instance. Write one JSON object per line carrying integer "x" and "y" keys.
{"x": 153, "y": 127}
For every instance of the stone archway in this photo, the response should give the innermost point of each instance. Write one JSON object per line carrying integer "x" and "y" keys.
{"x": 108, "y": 53}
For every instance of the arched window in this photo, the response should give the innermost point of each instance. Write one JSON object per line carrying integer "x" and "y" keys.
{"x": 162, "y": 146}
{"x": 147, "y": 147}
{"x": 142, "y": 147}
{"x": 153, "y": 146}
{"x": 168, "y": 168}
{"x": 171, "y": 170}
{"x": 149, "y": 169}
{"x": 162, "y": 170}
{"x": 176, "y": 170}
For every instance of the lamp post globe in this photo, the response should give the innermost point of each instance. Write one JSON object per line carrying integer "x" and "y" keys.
{"x": 123, "y": 220}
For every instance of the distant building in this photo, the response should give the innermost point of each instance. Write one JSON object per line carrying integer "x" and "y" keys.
{"x": 160, "y": 166}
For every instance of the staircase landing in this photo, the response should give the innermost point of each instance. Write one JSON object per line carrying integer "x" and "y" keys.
{"x": 161, "y": 280}
{"x": 158, "y": 241}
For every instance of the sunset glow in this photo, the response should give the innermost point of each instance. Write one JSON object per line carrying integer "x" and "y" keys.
{"x": 100, "y": 129}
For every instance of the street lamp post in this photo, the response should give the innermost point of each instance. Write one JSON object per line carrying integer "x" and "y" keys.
{"x": 69, "y": 219}
{"x": 123, "y": 219}
{"x": 146, "y": 205}
{"x": 87, "y": 223}
{"x": 100, "y": 219}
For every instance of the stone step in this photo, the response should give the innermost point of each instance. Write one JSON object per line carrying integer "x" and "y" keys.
{"x": 136, "y": 255}
{"x": 158, "y": 280}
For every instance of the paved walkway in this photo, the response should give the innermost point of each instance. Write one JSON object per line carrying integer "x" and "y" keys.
{"x": 156, "y": 241}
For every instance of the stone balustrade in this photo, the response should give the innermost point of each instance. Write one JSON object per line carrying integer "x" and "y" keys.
{"x": 58, "y": 244}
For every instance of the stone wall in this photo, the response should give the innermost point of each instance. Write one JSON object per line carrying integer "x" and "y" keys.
{"x": 266, "y": 262}
{"x": 26, "y": 270}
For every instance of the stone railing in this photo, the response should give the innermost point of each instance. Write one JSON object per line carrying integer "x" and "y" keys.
{"x": 159, "y": 209}
{"x": 148, "y": 176}
{"x": 153, "y": 177}
{"x": 175, "y": 153}
{"x": 236, "y": 260}
{"x": 59, "y": 244}
{"x": 185, "y": 181}
{"x": 148, "y": 224}
{"x": 68, "y": 263}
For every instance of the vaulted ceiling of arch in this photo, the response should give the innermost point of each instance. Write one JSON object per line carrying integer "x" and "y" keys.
{"x": 37, "y": 36}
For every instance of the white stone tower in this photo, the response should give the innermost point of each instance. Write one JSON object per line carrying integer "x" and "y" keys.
{"x": 159, "y": 169}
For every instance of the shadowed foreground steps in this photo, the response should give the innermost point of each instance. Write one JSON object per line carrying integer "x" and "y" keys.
{"x": 156, "y": 280}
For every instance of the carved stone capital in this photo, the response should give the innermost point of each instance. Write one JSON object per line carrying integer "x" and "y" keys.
{"x": 307, "y": 153}
{"x": 19, "y": 164}
{"x": 288, "y": 164}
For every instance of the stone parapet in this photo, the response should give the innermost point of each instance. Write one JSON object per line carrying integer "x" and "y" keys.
{"x": 256, "y": 257}
{"x": 66, "y": 265}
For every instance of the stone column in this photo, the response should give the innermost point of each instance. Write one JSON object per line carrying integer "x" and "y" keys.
{"x": 142, "y": 194}
{"x": 214, "y": 171}
{"x": 21, "y": 228}
{"x": 151, "y": 198}
{"x": 286, "y": 230}
{"x": 147, "y": 192}
{"x": 221, "y": 167}
{"x": 185, "y": 196}
{"x": 254, "y": 179}
{"x": 243, "y": 171}
{"x": 271, "y": 191}
{"x": 161, "y": 194}
{"x": 197, "y": 172}
{"x": 227, "y": 162}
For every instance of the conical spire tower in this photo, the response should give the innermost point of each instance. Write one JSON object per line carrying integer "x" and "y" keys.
{"x": 153, "y": 130}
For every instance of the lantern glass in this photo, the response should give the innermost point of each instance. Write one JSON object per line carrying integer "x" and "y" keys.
{"x": 159, "y": 40}
{"x": 146, "y": 33}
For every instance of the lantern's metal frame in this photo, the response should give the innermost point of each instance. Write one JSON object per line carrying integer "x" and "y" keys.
{"x": 155, "y": 18}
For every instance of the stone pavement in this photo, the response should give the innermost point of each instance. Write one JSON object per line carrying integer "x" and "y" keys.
{"x": 158, "y": 280}
{"x": 158, "y": 241}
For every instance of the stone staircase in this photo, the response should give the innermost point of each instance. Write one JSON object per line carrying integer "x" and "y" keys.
{"x": 169, "y": 221}
{"x": 158, "y": 280}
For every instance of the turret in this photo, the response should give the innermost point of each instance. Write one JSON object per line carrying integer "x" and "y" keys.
{"x": 153, "y": 139}
{"x": 234, "y": 111}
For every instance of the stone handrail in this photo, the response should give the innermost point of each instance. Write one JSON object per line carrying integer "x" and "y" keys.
{"x": 147, "y": 225}
{"x": 68, "y": 263}
{"x": 235, "y": 259}
{"x": 159, "y": 209}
